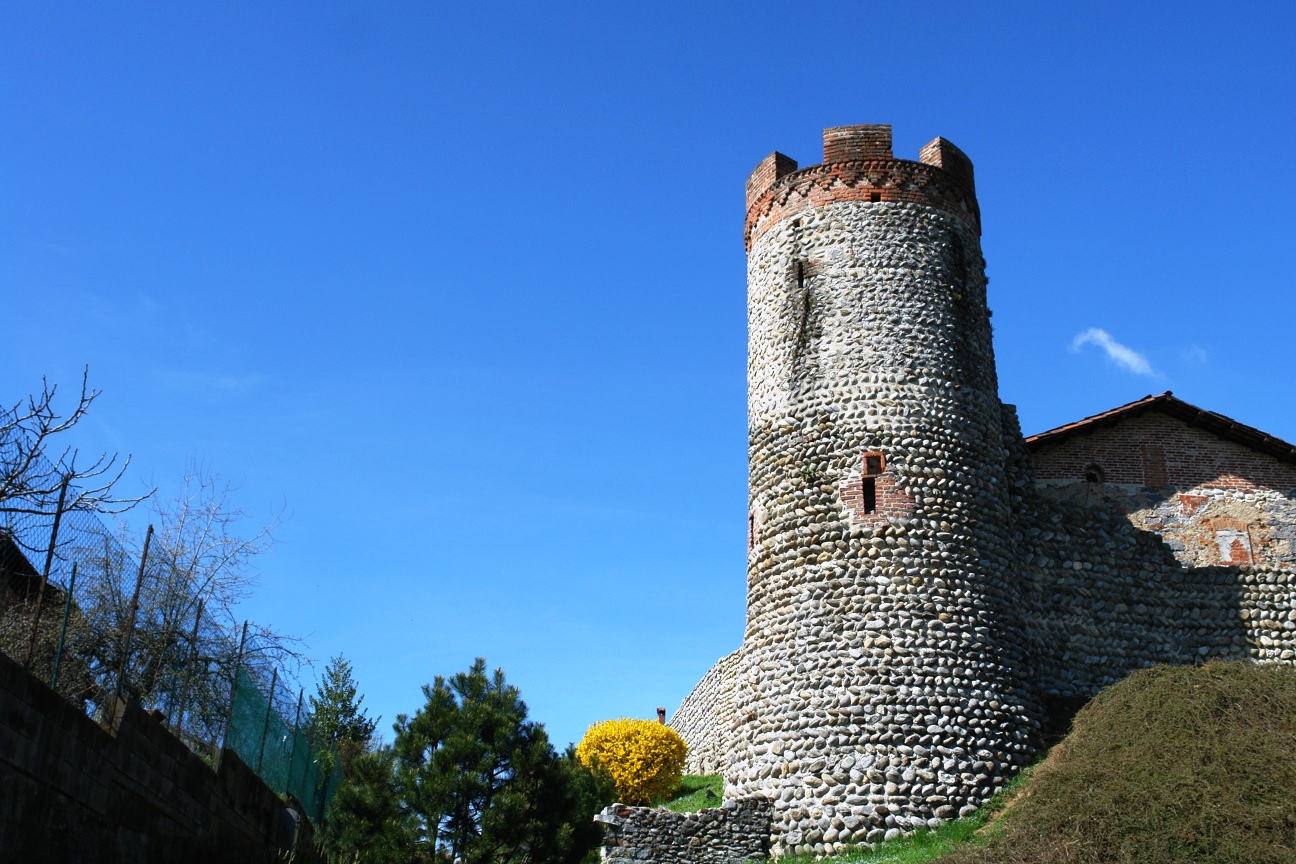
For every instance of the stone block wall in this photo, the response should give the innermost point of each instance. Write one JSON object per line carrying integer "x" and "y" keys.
{"x": 705, "y": 719}
{"x": 734, "y": 833}
{"x": 72, "y": 790}
{"x": 1104, "y": 598}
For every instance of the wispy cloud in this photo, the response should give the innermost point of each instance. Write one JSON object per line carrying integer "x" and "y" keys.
{"x": 1195, "y": 356}
{"x": 1122, "y": 355}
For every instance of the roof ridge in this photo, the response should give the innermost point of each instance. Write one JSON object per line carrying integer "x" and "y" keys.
{"x": 1167, "y": 403}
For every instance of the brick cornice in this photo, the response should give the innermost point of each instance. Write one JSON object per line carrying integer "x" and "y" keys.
{"x": 885, "y": 180}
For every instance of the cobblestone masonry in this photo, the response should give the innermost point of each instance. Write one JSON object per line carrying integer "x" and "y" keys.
{"x": 916, "y": 605}
{"x": 704, "y": 718}
{"x": 881, "y": 682}
{"x": 734, "y": 833}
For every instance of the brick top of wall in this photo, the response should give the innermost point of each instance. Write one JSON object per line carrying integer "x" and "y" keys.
{"x": 859, "y": 166}
{"x": 1153, "y": 449}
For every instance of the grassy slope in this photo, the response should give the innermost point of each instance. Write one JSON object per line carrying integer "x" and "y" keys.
{"x": 692, "y": 792}
{"x": 1173, "y": 764}
{"x": 1192, "y": 764}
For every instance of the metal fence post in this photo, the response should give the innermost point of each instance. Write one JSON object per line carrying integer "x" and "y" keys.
{"x": 184, "y": 684}
{"x": 49, "y": 560}
{"x": 238, "y": 661}
{"x": 130, "y": 623}
{"x": 67, "y": 609}
{"x": 292, "y": 754}
{"x": 265, "y": 727}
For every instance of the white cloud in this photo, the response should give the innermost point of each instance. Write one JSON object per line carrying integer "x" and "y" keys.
{"x": 1122, "y": 355}
{"x": 1195, "y": 356}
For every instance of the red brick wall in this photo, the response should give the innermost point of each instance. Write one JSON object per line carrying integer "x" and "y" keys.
{"x": 857, "y": 143}
{"x": 1128, "y": 453}
{"x": 891, "y": 500}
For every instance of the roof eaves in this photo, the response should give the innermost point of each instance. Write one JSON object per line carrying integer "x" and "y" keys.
{"x": 1191, "y": 415}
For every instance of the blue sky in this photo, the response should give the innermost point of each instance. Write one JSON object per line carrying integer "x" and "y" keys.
{"x": 463, "y": 284}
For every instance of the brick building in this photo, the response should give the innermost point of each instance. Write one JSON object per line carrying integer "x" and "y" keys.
{"x": 1215, "y": 490}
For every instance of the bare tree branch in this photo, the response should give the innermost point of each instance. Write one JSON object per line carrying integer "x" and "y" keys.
{"x": 32, "y": 472}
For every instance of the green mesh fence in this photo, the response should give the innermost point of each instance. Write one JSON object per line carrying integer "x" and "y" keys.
{"x": 283, "y": 756}
{"x": 163, "y": 670}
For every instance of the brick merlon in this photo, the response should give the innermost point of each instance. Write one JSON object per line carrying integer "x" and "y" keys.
{"x": 771, "y": 168}
{"x": 859, "y": 165}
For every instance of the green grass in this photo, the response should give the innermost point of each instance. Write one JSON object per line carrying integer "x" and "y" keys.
{"x": 691, "y": 794}
{"x": 916, "y": 848}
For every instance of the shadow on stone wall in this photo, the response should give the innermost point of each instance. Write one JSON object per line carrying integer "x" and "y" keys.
{"x": 1103, "y": 598}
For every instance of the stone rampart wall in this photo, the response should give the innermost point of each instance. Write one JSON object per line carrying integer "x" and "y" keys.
{"x": 1104, "y": 598}
{"x": 705, "y": 718}
{"x": 71, "y": 790}
{"x": 733, "y": 833}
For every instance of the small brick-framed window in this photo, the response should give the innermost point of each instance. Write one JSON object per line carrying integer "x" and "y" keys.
{"x": 874, "y": 464}
{"x": 1094, "y": 474}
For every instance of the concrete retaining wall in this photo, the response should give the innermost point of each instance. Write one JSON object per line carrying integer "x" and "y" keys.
{"x": 72, "y": 790}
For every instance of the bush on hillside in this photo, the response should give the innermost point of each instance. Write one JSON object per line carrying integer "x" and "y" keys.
{"x": 1172, "y": 764}
{"x": 645, "y": 759}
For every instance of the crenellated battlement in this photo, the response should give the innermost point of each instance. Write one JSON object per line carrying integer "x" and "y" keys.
{"x": 859, "y": 165}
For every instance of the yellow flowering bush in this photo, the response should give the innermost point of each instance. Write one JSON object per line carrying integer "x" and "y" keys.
{"x": 645, "y": 759}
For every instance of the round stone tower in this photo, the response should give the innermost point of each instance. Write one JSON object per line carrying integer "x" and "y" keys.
{"x": 882, "y": 682}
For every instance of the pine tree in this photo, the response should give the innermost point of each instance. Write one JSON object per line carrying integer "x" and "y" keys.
{"x": 365, "y": 822}
{"x": 468, "y": 779}
{"x": 336, "y": 715}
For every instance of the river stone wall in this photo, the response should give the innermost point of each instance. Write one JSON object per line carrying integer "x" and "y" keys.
{"x": 705, "y": 718}
{"x": 882, "y": 682}
{"x": 733, "y": 833}
{"x": 916, "y": 607}
{"x": 1104, "y": 598}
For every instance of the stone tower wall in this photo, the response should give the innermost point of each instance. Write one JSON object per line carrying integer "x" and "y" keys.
{"x": 920, "y": 596}
{"x": 881, "y": 683}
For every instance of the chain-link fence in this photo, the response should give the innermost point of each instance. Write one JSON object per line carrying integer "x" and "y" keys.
{"x": 280, "y": 751}
{"x": 93, "y": 615}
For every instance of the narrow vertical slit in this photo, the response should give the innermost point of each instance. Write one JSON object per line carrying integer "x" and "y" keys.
{"x": 870, "y": 495}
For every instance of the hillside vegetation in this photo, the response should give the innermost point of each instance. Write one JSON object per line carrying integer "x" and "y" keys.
{"x": 1173, "y": 764}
